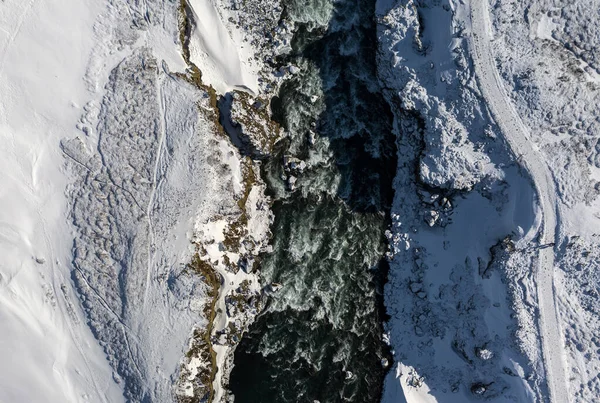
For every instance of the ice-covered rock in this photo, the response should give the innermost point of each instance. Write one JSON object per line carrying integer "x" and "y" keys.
{"x": 431, "y": 217}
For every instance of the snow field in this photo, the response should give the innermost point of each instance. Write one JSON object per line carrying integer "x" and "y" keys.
{"x": 45, "y": 340}
{"x": 518, "y": 137}
{"x": 218, "y": 51}
{"x": 101, "y": 116}
{"x": 547, "y": 65}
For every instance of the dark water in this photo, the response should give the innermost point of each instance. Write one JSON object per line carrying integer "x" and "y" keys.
{"x": 320, "y": 336}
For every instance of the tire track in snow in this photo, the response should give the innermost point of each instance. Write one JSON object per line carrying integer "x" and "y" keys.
{"x": 155, "y": 185}
{"x": 519, "y": 140}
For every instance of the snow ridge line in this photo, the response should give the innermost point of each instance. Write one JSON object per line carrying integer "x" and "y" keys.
{"x": 519, "y": 140}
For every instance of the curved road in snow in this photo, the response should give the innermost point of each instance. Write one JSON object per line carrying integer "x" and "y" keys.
{"x": 518, "y": 138}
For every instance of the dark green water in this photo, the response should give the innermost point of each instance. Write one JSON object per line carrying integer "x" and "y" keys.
{"x": 320, "y": 336}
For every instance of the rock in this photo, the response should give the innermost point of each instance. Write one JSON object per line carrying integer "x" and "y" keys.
{"x": 478, "y": 389}
{"x": 431, "y": 217}
{"x": 293, "y": 165}
{"x": 246, "y": 263}
{"x": 484, "y": 354}
{"x": 250, "y": 119}
{"x": 298, "y": 166}
{"x": 415, "y": 381}
{"x": 416, "y": 287}
{"x": 291, "y": 182}
{"x": 294, "y": 69}
{"x": 221, "y": 339}
{"x": 446, "y": 204}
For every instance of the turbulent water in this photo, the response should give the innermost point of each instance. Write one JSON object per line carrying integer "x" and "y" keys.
{"x": 320, "y": 337}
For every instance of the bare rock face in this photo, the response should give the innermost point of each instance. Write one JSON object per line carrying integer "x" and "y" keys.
{"x": 250, "y": 125}
{"x": 252, "y": 117}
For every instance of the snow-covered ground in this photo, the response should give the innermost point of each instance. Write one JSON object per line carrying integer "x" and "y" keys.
{"x": 548, "y": 64}
{"x": 531, "y": 83}
{"x": 49, "y": 353}
{"x": 218, "y": 52}
{"x": 517, "y": 135}
{"x": 115, "y": 171}
{"x": 465, "y": 322}
{"x": 160, "y": 167}
{"x": 230, "y": 41}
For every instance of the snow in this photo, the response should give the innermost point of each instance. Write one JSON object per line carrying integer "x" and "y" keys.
{"x": 548, "y": 66}
{"x": 544, "y": 28}
{"x": 459, "y": 193}
{"x": 211, "y": 234}
{"x": 535, "y": 70}
{"x": 408, "y": 379}
{"x": 159, "y": 168}
{"x": 101, "y": 135}
{"x": 44, "y": 337}
{"x": 216, "y": 52}
{"x": 519, "y": 139}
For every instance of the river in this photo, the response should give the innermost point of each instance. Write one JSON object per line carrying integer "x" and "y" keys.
{"x": 320, "y": 335}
